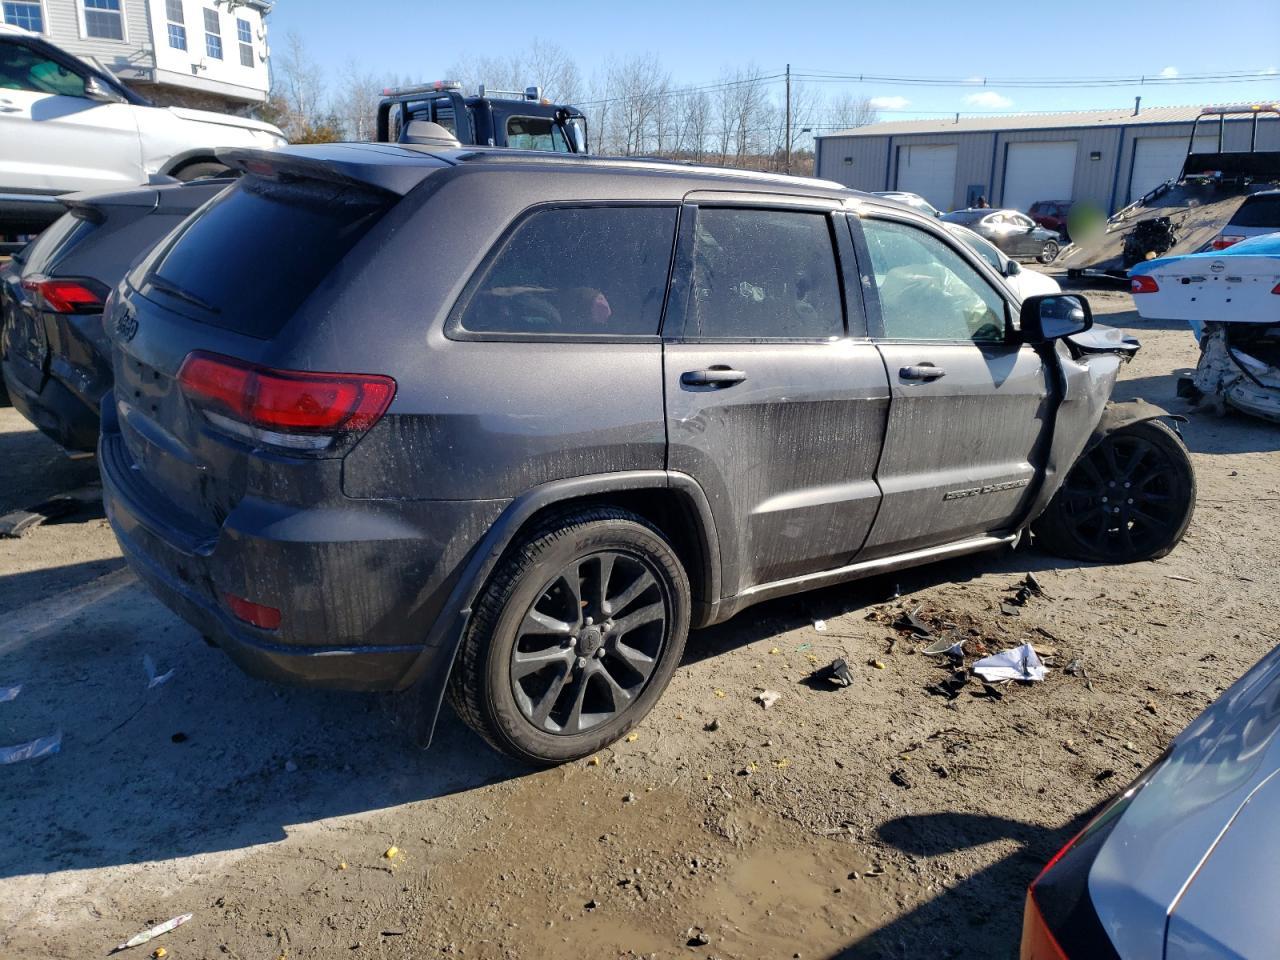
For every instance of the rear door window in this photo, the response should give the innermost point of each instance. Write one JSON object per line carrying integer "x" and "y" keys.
{"x": 247, "y": 261}
{"x": 576, "y": 271}
{"x": 763, "y": 274}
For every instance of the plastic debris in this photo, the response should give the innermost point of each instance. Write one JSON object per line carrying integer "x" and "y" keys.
{"x": 342, "y": 865}
{"x": 951, "y": 687}
{"x": 391, "y": 853}
{"x": 159, "y": 952}
{"x": 21, "y": 522}
{"x": 774, "y": 650}
{"x": 1019, "y": 663}
{"x": 838, "y": 673}
{"x": 712, "y": 725}
{"x": 154, "y": 679}
{"x": 900, "y": 778}
{"x": 696, "y": 937}
{"x": 946, "y": 647}
{"x": 1009, "y": 610}
{"x": 721, "y": 694}
{"x": 767, "y": 698}
{"x": 10, "y": 693}
{"x": 910, "y": 620}
{"x": 820, "y": 626}
{"x": 146, "y": 936}
{"x": 873, "y": 662}
{"x": 34, "y": 750}
{"x": 632, "y": 737}
{"x": 593, "y": 762}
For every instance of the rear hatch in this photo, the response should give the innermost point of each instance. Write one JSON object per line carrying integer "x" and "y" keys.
{"x": 215, "y": 300}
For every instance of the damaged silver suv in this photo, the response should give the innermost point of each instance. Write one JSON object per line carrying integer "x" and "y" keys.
{"x": 506, "y": 426}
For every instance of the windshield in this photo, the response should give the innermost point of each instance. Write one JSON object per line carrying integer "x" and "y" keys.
{"x": 979, "y": 246}
{"x": 536, "y": 133}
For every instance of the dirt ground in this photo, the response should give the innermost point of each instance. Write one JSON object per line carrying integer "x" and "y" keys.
{"x": 878, "y": 820}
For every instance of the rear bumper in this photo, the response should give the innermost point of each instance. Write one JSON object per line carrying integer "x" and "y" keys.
{"x": 355, "y": 611}
{"x": 54, "y": 410}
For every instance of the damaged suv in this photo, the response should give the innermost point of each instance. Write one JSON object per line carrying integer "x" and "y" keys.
{"x": 506, "y": 426}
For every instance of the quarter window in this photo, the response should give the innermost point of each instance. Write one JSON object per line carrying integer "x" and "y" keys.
{"x": 244, "y": 33}
{"x": 28, "y": 16}
{"x": 595, "y": 271}
{"x": 927, "y": 291}
{"x": 103, "y": 19}
{"x": 763, "y": 274}
{"x": 177, "y": 24}
{"x": 212, "y": 34}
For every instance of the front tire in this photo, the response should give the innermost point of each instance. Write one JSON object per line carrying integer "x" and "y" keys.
{"x": 199, "y": 171}
{"x": 1130, "y": 498}
{"x": 574, "y": 638}
{"x": 1049, "y": 252}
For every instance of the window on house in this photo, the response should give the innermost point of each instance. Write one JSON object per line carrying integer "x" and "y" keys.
{"x": 244, "y": 33}
{"x": 28, "y": 16}
{"x": 212, "y": 34}
{"x": 177, "y": 24}
{"x": 103, "y": 19}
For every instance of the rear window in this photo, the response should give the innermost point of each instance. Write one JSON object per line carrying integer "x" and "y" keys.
{"x": 1258, "y": 212}
{"x": 249, "y": 259}
{"x": 52, "y": 245}
{"x": 965, "y": 217}
{"x": 577, "y": 271}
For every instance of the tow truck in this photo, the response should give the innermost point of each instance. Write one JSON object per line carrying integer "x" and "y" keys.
{"x": 521, "y": 119}
{"x": 1184, "y": 215}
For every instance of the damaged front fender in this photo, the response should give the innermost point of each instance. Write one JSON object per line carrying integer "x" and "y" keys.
{"x": 1119, "y": 414}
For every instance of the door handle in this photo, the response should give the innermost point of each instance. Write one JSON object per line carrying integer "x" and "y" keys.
{"x": 922, "y": 371}
{"x": 717, "y": 376}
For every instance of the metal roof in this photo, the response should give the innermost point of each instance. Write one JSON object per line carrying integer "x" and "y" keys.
{"x": 1121, "y": 116}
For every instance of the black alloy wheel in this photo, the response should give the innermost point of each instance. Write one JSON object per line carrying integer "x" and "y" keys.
{"x": 1129, "y": 498}
{"x": 574, "y": 637}
{"x": 588, "y": 645}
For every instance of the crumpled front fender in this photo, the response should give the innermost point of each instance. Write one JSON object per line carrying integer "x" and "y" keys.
{"x": 1120, "y": 414}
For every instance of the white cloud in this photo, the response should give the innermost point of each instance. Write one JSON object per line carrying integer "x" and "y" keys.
{"x": 1269, "y": 72}
{"x": 1169, "y": 72}
{"x": 890, "y": 103}
{"x": 989, "y": 99}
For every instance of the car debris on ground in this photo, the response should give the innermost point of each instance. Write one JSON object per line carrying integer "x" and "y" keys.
{"x": 1018, "y": 663}
{"x": 146, "y": 936}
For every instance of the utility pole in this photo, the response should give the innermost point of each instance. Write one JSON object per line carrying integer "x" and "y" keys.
{"x": 787, "y": 135}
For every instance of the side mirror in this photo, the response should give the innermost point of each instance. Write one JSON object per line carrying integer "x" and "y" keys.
{"x": 95, "y": 89}
{"x": 1054, "y": 316}
{"x": 1012, "y": 268}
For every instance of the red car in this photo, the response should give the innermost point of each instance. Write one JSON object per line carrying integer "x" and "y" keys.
{"x": 1052, "y": 215}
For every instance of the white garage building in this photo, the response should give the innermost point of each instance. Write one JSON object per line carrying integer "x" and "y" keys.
{"x": 1110, "y": 157}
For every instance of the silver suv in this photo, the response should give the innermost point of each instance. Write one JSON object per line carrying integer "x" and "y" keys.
{"x": 510, "y": 424}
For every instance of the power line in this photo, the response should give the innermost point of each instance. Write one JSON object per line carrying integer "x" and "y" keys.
{"x": 1043, "y": 83}
{"x": 683, "y": 91}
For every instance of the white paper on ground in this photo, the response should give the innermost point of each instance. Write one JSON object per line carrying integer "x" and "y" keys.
{"x": 150, "y": 666}
{"x": 10, "y": 693}
{"x": 33, "y": 750}
{"x": 1020, "y": 663}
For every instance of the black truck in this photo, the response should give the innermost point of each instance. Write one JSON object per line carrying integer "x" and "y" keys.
{"x": 524, "y": 120}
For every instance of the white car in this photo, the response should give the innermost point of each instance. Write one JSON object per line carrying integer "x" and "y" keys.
{"x": 1025, "y": 283}
{"x": 67, "y": 125}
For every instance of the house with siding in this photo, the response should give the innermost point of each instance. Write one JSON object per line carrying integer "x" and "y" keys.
{"x": 1108, "y": 157}
{"x": 211, "y": 54}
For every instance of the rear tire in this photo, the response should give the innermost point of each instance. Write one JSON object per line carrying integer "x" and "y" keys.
{"x": 1130, "y": 498}
{"x": 549, "y": 672}
{"x": 199, "y": 171}
{"x": 1049, "y": 252}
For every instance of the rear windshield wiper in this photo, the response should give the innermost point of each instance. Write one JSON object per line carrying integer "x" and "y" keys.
{"x": 171, "y": 288}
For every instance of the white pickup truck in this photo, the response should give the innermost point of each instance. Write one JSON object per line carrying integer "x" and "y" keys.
{"x": 67, "y": 126}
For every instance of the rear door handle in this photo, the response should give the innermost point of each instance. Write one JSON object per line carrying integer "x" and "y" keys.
{"x": 922, "y": 371}
{"x": 717, "y": 376}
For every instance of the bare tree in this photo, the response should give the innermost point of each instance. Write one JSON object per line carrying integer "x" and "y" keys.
{"x": 298, "y": 82}
{"x": 357, "y": 105}
{"x": 846, "y": 111}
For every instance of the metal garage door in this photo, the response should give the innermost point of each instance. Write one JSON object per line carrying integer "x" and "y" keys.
{"x": 1038, "y": 171}
{"x": 930, "y": 171}
{"x": 1155, "y": 160}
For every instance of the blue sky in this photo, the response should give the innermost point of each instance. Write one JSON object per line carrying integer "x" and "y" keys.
{"x": 695, "y": 40}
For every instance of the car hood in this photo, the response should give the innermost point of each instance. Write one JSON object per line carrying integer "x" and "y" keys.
{"x": 1212, "y": 770}
{"x": 226, "y": 120}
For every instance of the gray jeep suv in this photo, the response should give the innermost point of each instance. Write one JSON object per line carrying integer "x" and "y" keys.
{"x": 508, "y": 425}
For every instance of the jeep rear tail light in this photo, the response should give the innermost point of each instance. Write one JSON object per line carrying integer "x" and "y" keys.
{"x": 1143, "y": 284}
{"x": 72, "y": 295}
{"x": 292, "y": 409}
{"x": 1225, "y": 240}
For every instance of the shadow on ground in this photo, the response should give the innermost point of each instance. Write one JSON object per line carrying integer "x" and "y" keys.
{"x": 987, "y": 899}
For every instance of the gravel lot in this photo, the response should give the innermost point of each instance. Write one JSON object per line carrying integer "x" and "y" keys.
{"x": 873, "y": 821}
